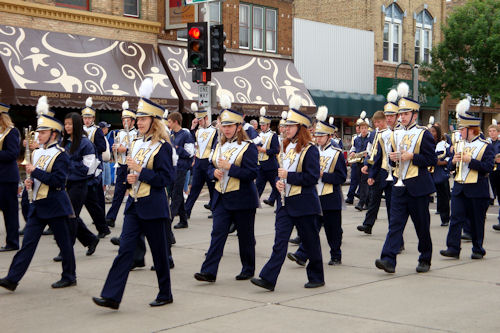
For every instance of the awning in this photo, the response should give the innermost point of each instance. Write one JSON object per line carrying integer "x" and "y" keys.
{"x": 250, "y": 81}
{"x": 341, "y": 104}
{"x": 69, "y": 68}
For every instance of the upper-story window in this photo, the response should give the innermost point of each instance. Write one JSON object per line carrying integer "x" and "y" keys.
{"x": 423, "y": 37}
{"x": 215, "y": 18}
{"x": 131, "y": 8}
{"x": 258, "y": 26}
{"x": 77, "y": 4}
{"x": 393, "y": 32}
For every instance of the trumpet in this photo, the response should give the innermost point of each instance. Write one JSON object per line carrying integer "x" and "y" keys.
{"x": 460, "y": 150}
{"x": 29, "y": 136}
{"x": 357, "y": 158}
{"x": 400, "y": 183}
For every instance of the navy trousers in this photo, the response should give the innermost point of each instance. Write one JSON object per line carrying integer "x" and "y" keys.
{"x": 244, "y": 221}
{"x": 332, "y": 222}
{"x": 443, "y": 200}
{"x": 95, "y": 204}
{"x": 308, "y": 233}
{"x": 264, "y": 176}
{"x": 177, "y": 207}
{"x": 404, "y": 205}
{"x": 200, "y": 177}
{"x": 120, "y": 189}
{"x": 355, "y": 176}
{"x": 467, "y": 209}
{"x": 140, "y": 251}
{"x": 9, "y": 206}
{"x": 376, "y": 191}
{"x": 32, "y": 233}
{"x": 155, "y": 233}
{"x": 77, "y": 192}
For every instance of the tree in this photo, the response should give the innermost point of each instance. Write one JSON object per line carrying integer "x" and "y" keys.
{"x": 467, "y": 61}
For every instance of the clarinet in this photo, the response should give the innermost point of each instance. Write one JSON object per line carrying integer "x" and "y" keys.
{"x": 135, "y": 186}
{"x": 219, "y": 153}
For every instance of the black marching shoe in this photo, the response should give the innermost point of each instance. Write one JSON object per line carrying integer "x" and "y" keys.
{"x": 181, "y": 225}
{"x": 450, "y": 254}
{"x": 92, "y": 247}
{"x": 106, "y": 302}
{"x": 103, "y": 234}
{"x": 359, "y": 207}
{"x": 232, "y": 228}
{"x": 57, "y": 258}
{"x": 115, "y": 241}
{"x": 295, "y": 241}
{"x": 110, "y": 223}
{"x": 158, "y": 302}
{"x": 262, "y": 283}
{"x": 385, "y": 265}
{"x": 210, "y": 216}
{"x": 349, "y": 201}
{"x": 8, "y": 248}
{"x": 205, "y": 277}
{"x": 466, "y": 236}
{"x": 21, "y": 232}
{"x": 401, "y": 249}
{"x": 48, "y": 232}
{"x": 310, "y": 285}
{"x": 63, "y": 284}
{"x": 243, "y": 276}
{"x": 496, "y": 227}
{"x": 293, "y": 257}
{"x": 445, "y": 223}
{"x": 9, "y": 285}
{"x": 423, "y": 267}
{"x": 207, "y": 206}
{"x": 138, "y": 264}
{"x": 268, "y": 202}
{"x": 367, "y": 229}
{"x": 476, "y": 255}
{"x": 335, "y": 262}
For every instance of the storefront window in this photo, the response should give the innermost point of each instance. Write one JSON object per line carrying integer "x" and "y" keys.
{"x": 77, "y": 4}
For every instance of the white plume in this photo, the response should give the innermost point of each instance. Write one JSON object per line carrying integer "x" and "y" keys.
{"x": 284, "y": 114}
{"x": 263, "y": 111}
{"x": 322, "y": 113}
{"x": 125, "y": 105}
{"x": 494, "y": 122}
{"x": 462, "y": 107}
{"x": 392, "y": 96}
{"x": 194, "y": 107}
{"x": 42, "y": 107}
{"x": 295, "y": 102}
{"x": 367, "y": 121}
{"x": 330, "y": 121}
{"x": 225, "y": 102}
{"x": 146, "y": 88}
{"x": 363, "y": 114}
{"x": 89, "y": 102}
{"x": 431, "y": 120}
{"x": 165, "y": 114}
{"x": 403, "y": 89}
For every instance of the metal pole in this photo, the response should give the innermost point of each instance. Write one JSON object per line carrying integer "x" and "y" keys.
{"x": 415, "y": 83}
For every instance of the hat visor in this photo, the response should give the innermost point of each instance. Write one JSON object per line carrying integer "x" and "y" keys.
{"x": 229, "y": 122}
{"x": 290, "y": 122}
{"x": 321, "y": 134}
{"x": 143, "y": 114}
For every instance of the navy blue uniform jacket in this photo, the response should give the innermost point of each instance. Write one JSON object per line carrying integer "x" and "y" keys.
{"x": 8, "y": 157}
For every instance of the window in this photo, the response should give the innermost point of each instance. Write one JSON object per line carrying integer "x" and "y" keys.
{"x": 258, "y": 26}
{"x": 77, "y": 4}
{"x": 392, "y": 33}
{"x": 423, "y": 37}
{"x": 131, "y": 8}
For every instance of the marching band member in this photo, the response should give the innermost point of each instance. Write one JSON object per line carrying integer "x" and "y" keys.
{"x": 274, "y": 194}
{"x": 9, "y": 151}
{"x": 147, "y": 209}
{"x": 333, "y": 173}
{"x": 183, "y": 143}
{"x": 50, "y": 205}
{"x": 268, "y": 164}
{"x": 121, "y": 147}
{"x": 470, "y": 195}
{"x": 354, "y": 183}
{"x": 441, "y": 176}
{"x": 235, "y": 198}
{"x": 94, "y": 201}
{"x": 414, "y": 147}
{"x": 206, "y": 139}
{"x": 377, "y": 167}
{"x": 495, "y": 175}
{"x": 300, "y": 172}
{"x": 360, "y": 147}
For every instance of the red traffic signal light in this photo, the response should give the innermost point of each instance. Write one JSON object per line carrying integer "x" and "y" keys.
{"x": 194, "y": 33}
{"x": 197, "y": 45}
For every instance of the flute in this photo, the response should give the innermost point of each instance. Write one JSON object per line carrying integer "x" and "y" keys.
{"x": 135, "y": 186}
{"x": 115, "y": 151}
{"x": 282, "y": 156}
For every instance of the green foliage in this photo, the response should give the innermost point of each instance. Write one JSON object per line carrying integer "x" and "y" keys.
{"x": 467, "y": 61}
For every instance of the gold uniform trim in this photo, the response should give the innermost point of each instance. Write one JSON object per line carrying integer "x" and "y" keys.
{"x": 233, "y": 183}
{"x": 405, "y": 105}
{"x": 297, "y": 189}
{"x": 413, "y": 169}
{"x": 208, "y": 148}
{"x": 228, "y": 117}
{"x": 7, "y": 131}
{"x": 148, "y": 109}
{"x": 4, "y": 109}
{"x": 145, "y": 189}
{"x": 265, "y": 157}
{"x": 328, "y": 188}
{"x": 43, "y": 190}
{"x": 298, "y": 118}
{"x": 473, "y": 175}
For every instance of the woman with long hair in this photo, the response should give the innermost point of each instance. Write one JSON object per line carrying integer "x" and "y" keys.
{"x": 9, "y": 151}
{"x": 235, "y": 197}
{"x": 441, "y": 175}
{"x": 147, "y": 210}
{"x": 82, "y": 166}
{"x": 298, "y": 177}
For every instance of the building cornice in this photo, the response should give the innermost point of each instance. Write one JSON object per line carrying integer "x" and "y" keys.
{"x": 78, "y": 16}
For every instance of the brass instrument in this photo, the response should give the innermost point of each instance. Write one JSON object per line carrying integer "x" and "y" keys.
{"x": 400, "y": 183}
{"x": 357, "y": 158}
{"x": 389, "y": 166}
{"x": 29, "y": 136}
{"x": 371, "y": 160}
{"x": 460, "y": 150}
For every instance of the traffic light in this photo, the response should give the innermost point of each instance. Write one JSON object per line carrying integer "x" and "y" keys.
{"x": 217, "y": 48}
{"x": 197, "y": 45}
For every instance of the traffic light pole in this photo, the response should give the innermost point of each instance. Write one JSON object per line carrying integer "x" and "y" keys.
{"x": 206, "y": 18}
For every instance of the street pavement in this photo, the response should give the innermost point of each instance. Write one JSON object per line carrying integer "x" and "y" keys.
{"x": 455, "y": 296}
